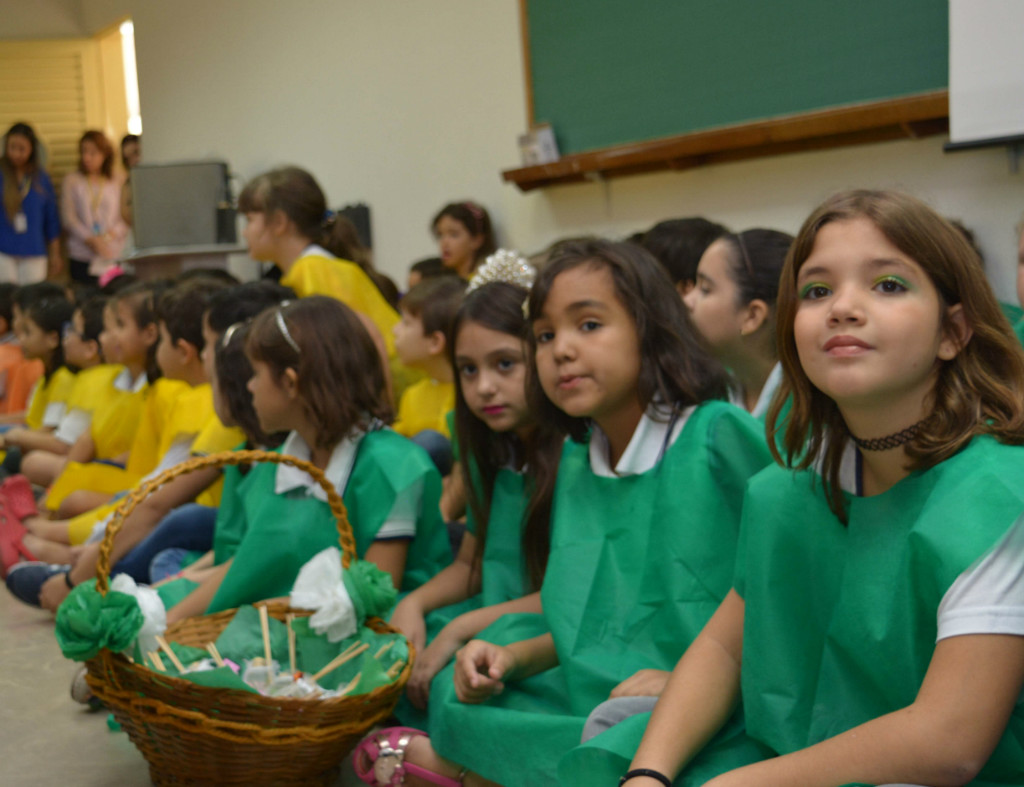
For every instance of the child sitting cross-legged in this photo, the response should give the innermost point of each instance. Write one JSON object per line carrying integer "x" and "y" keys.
{"x": 420, "y": 341}
{"x": 168, "y": 520}
{"x": 45, "y": 451}
{"x": 317, "y": 374}
{"x": 172, "y": 418}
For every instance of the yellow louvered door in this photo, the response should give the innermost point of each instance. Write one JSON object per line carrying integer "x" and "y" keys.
{"x": 57, "y": 88}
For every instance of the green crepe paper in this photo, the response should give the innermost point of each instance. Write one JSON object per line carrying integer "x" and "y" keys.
{"x": 88, "y": 622}
{"x": 243, "y": 638}
{"x": 371, "y": 590}
{"x": 174, "y": 591}
{"x": 313, "y": 652}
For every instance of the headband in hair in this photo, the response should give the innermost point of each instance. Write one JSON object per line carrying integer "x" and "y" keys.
{"x": 504, "y": 265}
{"x": 283, "y": 327}
{"x": 231, "y": 331}
{"x": 476, "y": 210}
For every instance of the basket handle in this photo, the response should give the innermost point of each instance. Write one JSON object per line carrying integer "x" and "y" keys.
{"x": 145, "y": 489}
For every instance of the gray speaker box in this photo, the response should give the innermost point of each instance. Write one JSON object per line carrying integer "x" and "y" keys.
{"x": 181, "y": 205}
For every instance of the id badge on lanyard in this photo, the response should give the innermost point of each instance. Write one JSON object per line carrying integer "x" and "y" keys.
{"x": 20, "y": 222}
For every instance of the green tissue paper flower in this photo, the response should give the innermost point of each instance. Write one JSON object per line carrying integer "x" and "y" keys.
{"x": 371, "y": 589}
{"x": 88, "y": 622}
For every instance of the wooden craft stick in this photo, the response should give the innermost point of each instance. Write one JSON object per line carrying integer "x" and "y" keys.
{"x": 291, "y": 642}
{"x": 170, "y": 654}
{"x": 265, "y": 626}
{"x": 211, "y": 648}
{"x": 157, "y": 662}
{"x": 350, "y": 685}
{"x": 395, "y": 668}
{"x": 383, "y": 649}
{"x": 342, "y": 658}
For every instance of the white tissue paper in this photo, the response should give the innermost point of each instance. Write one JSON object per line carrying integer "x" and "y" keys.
{"x": 319, "y": 587}
{"x": 155, "y": 623}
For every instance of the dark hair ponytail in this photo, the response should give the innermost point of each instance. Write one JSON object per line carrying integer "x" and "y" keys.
{"x": 756, "y": 258}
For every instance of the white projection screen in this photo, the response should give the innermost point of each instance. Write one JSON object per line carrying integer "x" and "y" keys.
{"x": 986, "y": 72}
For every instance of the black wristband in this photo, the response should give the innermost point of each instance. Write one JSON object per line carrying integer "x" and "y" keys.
{"x": 67, "y": 580}
{"x": 656, "y": 775}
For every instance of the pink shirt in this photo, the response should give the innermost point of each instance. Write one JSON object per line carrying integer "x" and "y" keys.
{"x": 87, "y": 207}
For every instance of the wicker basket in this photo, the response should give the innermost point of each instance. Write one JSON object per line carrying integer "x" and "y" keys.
{"x": 196, "y": 735}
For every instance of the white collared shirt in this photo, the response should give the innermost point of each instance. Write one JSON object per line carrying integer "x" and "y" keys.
{"x": 315, "y": 250}
{"x": 401, "y": 520}
{"x": 124, "y": 381}
{"x": 645, "y": 447}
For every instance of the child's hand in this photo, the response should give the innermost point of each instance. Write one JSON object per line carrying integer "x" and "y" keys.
{"x": 643, "y": 683}
{"x": 429, "y": 662}
{"x": 52, "y": 592}
{"x": 76, "y": 553}
{"x": 479, "y": 668}
{"x": 408, "y": 618}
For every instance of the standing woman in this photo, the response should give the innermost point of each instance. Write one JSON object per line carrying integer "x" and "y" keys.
{"x": 91, "y": 209}
{"x": 29, "y": 221}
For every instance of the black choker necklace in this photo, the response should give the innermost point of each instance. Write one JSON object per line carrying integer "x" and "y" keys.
{"x": 889, "y": 441}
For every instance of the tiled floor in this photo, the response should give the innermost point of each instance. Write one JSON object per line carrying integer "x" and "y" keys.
{"x": 45, "y": 738}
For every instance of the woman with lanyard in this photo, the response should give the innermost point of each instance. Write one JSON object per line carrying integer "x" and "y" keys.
{"x": 91, "y": 209}
{"x": 29, "y": 221}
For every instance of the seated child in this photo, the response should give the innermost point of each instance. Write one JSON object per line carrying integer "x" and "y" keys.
{"x": 733, "y": 307}
{"x": 645, "y": 521}
{"x": 874, "y": 633}
{"x": 288, "y": 223}
{"x": 164, "y": 520}
{"x": 17, "y": 373}
{"x": 427, "y": 312}
{"x": 170, "y": 422}
{"x": 40, "y": 311}
{"x": 317, "y": 375}
{"x": 45, "y": 451}
{"x": 501, "y": 561}
{"x": 678, "y": 245}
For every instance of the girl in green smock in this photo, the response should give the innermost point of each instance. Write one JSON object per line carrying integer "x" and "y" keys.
{"x": 644, "y": 529}
{"x": 733, "y": 306}
{"x": 318, "y": 376}
{"x": 502, "y": 557}
{"x": 878, "y": 603}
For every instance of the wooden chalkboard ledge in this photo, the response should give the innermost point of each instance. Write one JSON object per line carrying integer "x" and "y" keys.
{"x": 856, "y": 124}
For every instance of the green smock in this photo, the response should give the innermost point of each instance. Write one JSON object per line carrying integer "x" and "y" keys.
{"x": 503, "y": 567}
{"x": 840, "y": 623}
{"x": 272, "y": 536}
{"x": 638, "y": 564}
{"x": 503, "y": 573}
{"x": 1018, "y": 330}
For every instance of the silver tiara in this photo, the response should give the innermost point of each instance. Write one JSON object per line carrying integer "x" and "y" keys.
{"x": 504, "y": 265}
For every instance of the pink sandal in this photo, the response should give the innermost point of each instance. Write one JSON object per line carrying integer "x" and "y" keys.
{"x": 18, "y": 491}
{"x": 379, "y": 760}
{"x": 12, "y": 550}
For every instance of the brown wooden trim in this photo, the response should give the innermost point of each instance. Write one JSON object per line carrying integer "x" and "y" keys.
{"x": 524, "y": 32}
{"x": 855, "y": 124}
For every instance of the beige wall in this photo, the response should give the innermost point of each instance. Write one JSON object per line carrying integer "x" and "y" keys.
{"x": 407, "y": 105}
{"x": 28, "y": 19}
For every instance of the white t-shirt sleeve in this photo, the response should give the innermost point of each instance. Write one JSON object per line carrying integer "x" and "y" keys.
{"x": 54, "y": 413}
{"x": 73, "y": 425}
{"x": 401, "y": 521}
{"x": 988, "y": 598}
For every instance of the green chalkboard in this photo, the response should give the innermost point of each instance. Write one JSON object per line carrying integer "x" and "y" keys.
{"x": 608, "y": 72}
